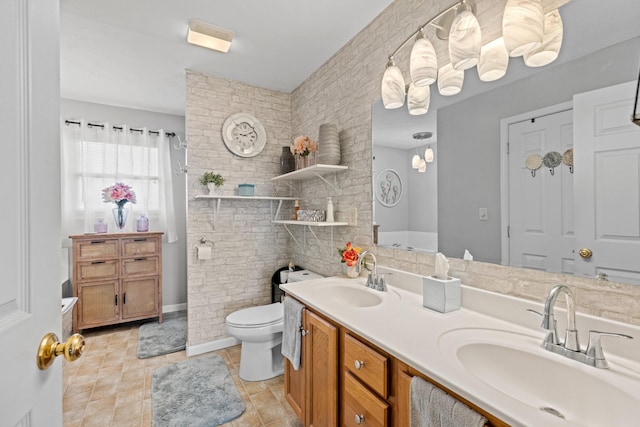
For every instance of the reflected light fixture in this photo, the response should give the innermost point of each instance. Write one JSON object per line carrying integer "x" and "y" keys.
{"x": 428, "y": 155}
{"x": 526, "y": 31}
{"x": 416, "y": 161}
{"x": 423, "y": 166}
{"x": 210, "y": 36}
{"x": 551, "y": 42}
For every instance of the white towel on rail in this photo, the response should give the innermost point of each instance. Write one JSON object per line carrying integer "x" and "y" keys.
{"x": 292, "y": 332}
{"x": 432, "y": 407}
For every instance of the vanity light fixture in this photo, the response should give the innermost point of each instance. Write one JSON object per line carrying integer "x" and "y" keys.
{"x": 210, "y": 36}
{"x": 526, "y": 31}
{"x": 418, "y": 99}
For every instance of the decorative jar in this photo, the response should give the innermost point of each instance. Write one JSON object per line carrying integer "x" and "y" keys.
{"x": 142, "y": 223}
{"x": 100, "y": 226}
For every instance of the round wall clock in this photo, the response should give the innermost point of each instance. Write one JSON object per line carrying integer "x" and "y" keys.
{"x": 243, "y": 135}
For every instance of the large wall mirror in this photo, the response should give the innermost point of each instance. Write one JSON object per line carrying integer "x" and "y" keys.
{"x": 457, "y": 203}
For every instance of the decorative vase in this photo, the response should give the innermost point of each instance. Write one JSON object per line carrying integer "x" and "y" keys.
{"x": 213, "y": 190}
{"x": 300, "y": 162}
{"x": 287, "y": 161}
{"x": 142, "y": 224}
{"x": 351, "y": 272}
{"x": 100, "y": 226}
{"x": 328, "y": 144}
{"x": 120, "y": 216}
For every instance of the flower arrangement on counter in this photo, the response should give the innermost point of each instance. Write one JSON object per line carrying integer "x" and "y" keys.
{"x": 119, "y": 193}
{"x": 303, "y": 146}
{"x": 349, "y": 254}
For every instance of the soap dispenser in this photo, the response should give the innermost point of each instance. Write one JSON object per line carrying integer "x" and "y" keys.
{"x": 329, "y": 216}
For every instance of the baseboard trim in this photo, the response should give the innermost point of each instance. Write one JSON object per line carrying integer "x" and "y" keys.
{"x": 174, "y": 307}
{"x": 194, "y": 350}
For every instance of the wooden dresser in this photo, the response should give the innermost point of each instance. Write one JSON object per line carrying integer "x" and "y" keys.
{"x": 117, "y": 278}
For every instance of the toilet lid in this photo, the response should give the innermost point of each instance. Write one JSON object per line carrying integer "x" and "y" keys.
{"x": 261, "y": 315}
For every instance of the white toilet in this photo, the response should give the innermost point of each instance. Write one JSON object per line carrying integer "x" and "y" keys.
{"x": 260, "y": 330}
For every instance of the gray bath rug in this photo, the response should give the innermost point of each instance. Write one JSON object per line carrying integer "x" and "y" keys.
{"x": 194, "y": 393}
{"x": 155, "y": 339}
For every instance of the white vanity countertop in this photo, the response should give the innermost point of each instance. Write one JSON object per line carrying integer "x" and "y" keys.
{"x": 419, "y": 336}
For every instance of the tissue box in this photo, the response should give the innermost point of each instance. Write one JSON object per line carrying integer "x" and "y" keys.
{"x": 245, "y": 189}
{"x": 441, "y": 295}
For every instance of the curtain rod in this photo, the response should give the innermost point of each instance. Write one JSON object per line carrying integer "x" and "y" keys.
{"x": 153, "y": 132}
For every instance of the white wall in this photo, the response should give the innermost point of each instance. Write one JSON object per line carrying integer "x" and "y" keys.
{"x": 174, "y": 256}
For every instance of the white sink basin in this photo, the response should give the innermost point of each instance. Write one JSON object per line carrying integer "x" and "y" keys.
{"x": 353, "y": 296}
{"x": 515, "y": 365}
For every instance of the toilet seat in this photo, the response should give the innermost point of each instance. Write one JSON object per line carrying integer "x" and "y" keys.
{"x": 258, "y": 316}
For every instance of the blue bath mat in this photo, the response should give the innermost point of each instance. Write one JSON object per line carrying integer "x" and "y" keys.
{"x": 195, "y": 393}
{"x": 155, "y": 339}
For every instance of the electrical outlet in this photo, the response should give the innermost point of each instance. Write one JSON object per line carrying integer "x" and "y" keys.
{"x": 353, "y": 217}
{"x": 483, "y": 214}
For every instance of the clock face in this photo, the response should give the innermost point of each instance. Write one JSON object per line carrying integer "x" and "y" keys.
{"x": 243, "y": 135}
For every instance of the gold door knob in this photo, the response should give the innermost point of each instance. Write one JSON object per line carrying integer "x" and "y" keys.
{"x": 50, "y": 348}
{"x": 585, "y": 253}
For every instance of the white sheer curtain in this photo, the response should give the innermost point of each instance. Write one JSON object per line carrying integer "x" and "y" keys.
{"x": 97, "y": 156}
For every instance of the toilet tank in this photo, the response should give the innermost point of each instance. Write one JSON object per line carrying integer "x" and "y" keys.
{"x": 302, "y": 275}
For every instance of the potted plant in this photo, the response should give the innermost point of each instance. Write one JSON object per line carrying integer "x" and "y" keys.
{"x": 212, "y": 181}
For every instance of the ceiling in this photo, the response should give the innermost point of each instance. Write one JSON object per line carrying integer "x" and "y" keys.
{"x": 133, "y": 53}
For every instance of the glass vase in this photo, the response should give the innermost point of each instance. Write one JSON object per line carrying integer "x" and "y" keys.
{"x": 142, "y": 223}
{"x": 287, "y": 161}
{"x": 352, "y": 273}
{"x": 120, "y": 216}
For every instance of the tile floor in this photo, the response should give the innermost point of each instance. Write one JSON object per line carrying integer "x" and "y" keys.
{"x": 110, "y": 386}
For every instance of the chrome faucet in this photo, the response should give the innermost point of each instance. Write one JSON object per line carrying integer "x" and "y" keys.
{"x": 593, "y": 355}
{"x": 373, "y": 281}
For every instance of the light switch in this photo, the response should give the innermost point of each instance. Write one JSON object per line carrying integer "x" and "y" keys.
{"x": 483, "y": 214}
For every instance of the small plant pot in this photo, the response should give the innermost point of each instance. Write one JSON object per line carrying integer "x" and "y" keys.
{"x": 213, "y": 190}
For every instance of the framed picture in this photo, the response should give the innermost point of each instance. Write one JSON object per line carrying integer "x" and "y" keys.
{"x": 388, "y": 188}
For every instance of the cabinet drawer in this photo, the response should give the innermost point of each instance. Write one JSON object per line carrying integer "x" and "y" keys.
{"x": 92, "y": 270}
{"x": 96, "y": 249}
{"x": 140, "y": 265}
{"x": 366, "y": 364}
{"x": 140, "y": 246}
{"x": 361, "y": 407}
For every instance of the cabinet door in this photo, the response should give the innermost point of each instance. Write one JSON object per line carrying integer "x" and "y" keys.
{"x": 98, "y": 303}
{"x": 322, "y": 372}
{"x": 294, "y": 386}
{"x": 140, "y": 297}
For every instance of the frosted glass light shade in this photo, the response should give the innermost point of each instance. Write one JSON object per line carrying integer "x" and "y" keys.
{"x": 465, "y": 40}
{"x": 423, "y": 63}
{"x": 494, "y": 61}
{"x": 551, "y": 43}
{"x": 522, "y": 26}
{"x": 423, "y": 166}
{"x": 450, "y": 80}
{"x": 428, "y": 155}
{"x": 392, "y": 87}
{"x": 418, "y": 99}
{"x": 415, "y": 161}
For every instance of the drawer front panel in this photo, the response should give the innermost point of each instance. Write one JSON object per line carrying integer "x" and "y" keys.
{"x": 366, "y": 364}
{"x": 96, "y": 249}
{"x": 92, "y": 270}
{"x": 140, "y": 246}
{"x": 141, "y": 265}
{"x": 361, "y": 406}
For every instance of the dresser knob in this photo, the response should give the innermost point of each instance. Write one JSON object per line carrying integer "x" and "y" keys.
{"x": 359, "y": 419}
{"x": 359, "y": 364}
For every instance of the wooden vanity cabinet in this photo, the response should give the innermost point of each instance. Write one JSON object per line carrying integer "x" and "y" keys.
{"x": 312, "y": 390}
{"x": 117, "y": 278}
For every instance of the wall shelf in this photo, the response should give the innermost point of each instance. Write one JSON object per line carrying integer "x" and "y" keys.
{"x": 309, "y": 225}
{"x": 219, "y": 198}
{"x": 315, "y": 171}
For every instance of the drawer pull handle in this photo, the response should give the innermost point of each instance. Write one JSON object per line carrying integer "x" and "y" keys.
{"x": 359, "y": 364}
{"x": 97, "y": 242}
{"x": 359, "y": 419}
{"x": 304, "y": 332}
{"x": 139, "y": 259}
{"x": 98, "y": 262}
{"x": 139, "y": 240}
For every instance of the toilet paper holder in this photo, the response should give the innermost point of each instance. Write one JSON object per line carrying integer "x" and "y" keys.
{"x": 204, "y": 241}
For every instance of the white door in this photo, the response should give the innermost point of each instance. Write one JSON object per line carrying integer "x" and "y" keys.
{"x": 30, "y": 210}
{"x": 607, "y": 184}
{"x": 541, "y": 203}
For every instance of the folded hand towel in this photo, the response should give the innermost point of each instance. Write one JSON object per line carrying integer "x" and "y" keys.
{"x": 292, "y": 332}
{"x": 432, "y": 407}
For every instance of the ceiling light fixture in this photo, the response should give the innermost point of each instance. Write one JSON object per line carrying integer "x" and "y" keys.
{"x": 210, "y": 36}
{"x": 416, "y": 161}
{"x": 526, "y": 31}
